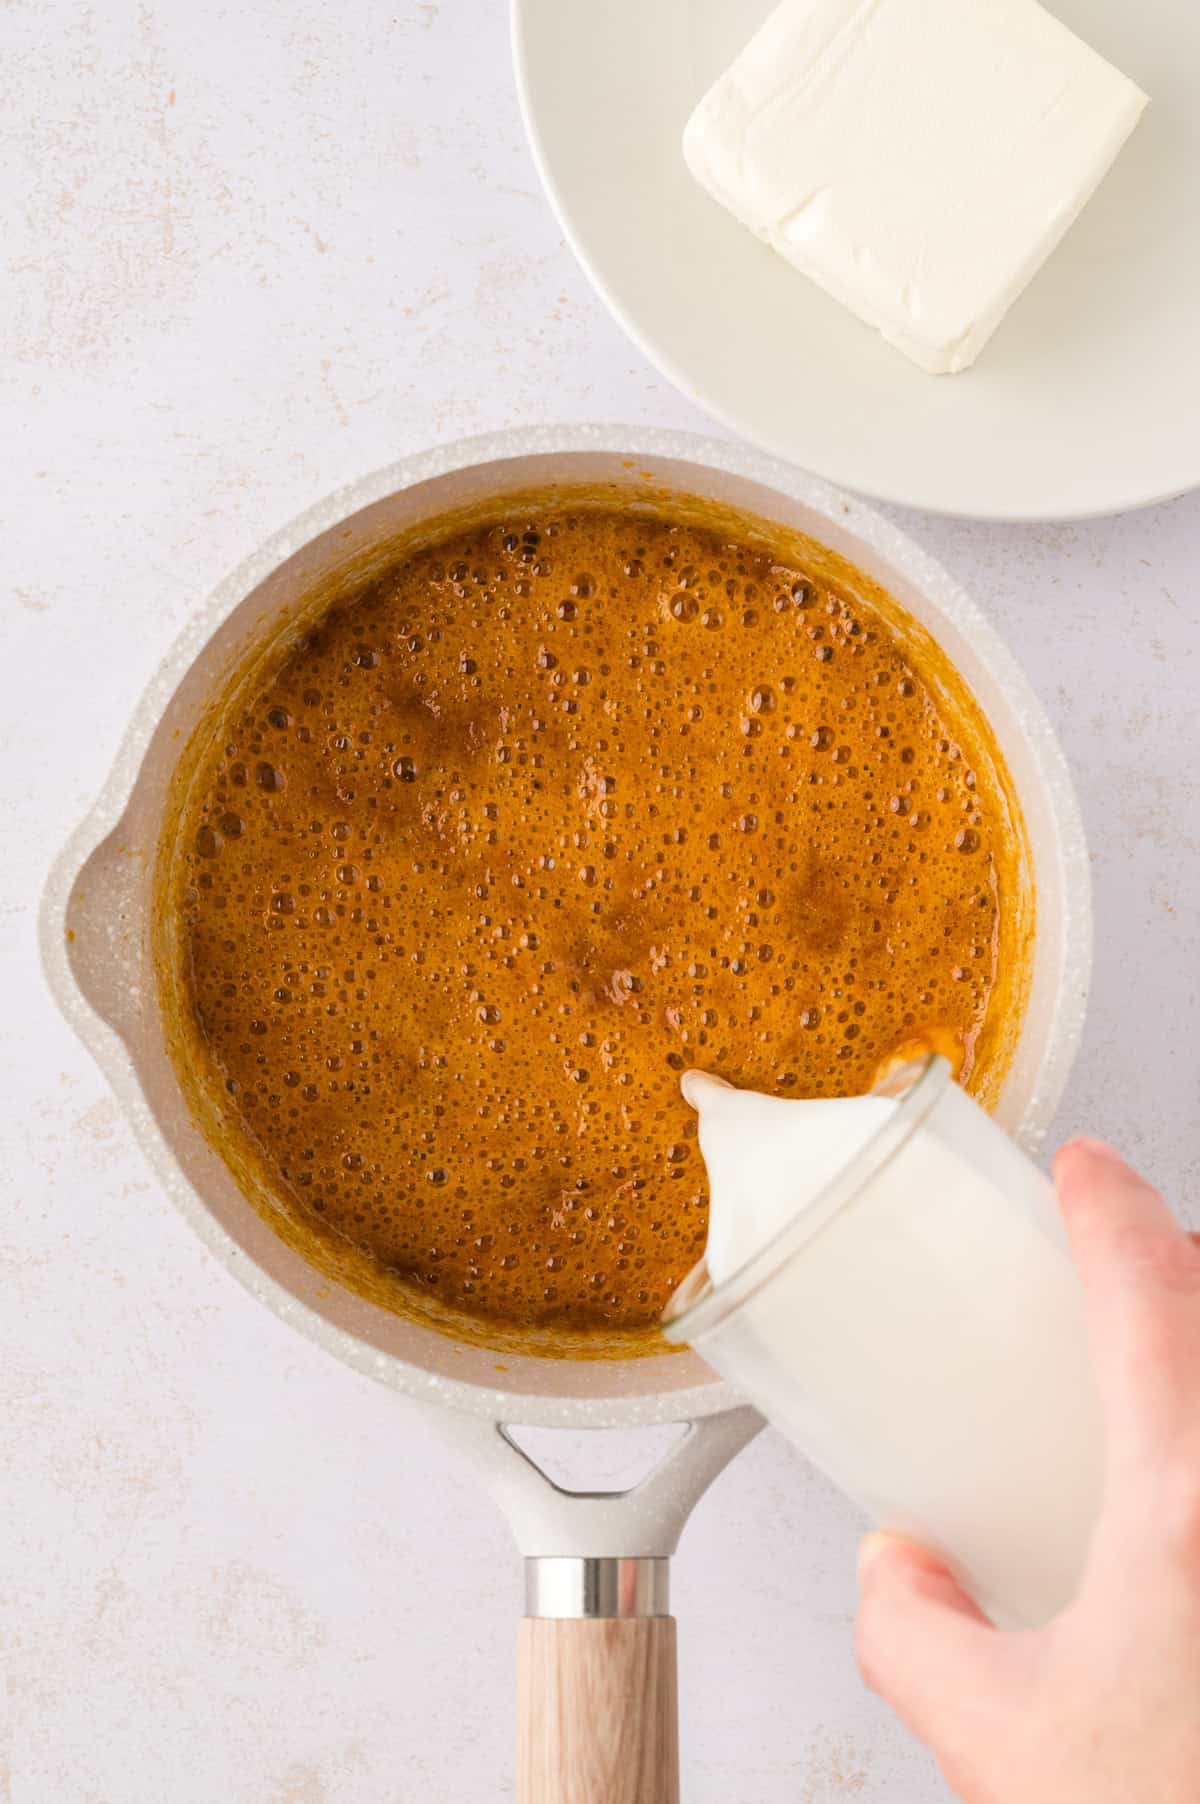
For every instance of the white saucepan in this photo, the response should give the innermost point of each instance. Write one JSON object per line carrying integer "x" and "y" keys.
{"x": 597, "y": 1651}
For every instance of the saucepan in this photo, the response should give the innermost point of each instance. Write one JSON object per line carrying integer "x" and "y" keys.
{"x": 597, "y": 1648}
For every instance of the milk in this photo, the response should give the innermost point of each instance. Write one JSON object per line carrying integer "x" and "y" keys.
{"x": 768, "y": 1158}
{"x": 921, "y": 1335}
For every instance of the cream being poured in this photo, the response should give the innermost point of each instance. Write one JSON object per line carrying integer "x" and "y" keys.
{"x": 769, "y": 1158}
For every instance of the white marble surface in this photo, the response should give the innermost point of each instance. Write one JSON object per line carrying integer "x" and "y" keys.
{"x": 251, "y": 253}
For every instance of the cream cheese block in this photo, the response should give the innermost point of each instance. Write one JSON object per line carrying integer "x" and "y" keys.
{"x": 918, "y": 159}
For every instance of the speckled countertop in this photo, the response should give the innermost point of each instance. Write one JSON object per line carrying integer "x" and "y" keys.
{"x": 253, "y": 253}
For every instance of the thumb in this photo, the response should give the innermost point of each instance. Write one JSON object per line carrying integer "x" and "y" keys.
{"x": 925, "y": 1647}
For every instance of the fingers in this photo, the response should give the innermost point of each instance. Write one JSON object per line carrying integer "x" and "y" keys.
{"x": 1141, "y": 1280}
{"x": 925, "y": 1647}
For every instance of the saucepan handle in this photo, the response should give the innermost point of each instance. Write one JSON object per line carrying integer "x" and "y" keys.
{"x": 597, "y": 1691}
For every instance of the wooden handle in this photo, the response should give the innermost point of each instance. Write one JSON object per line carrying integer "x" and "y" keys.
{"x": 597, "y": 1711}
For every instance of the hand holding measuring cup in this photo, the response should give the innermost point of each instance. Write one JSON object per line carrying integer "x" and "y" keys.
{"x": 1100, "y": 1706}
{"x": 887, "y": 1279}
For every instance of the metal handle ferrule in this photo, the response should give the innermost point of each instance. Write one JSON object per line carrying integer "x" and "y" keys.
{"x": 565, "y": 1586}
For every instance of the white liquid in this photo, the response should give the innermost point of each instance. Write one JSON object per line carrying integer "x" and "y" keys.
{"x": 768, "y": 1158}
{"x": 926, "y": 1348}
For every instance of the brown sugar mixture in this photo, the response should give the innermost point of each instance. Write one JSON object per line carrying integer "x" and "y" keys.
{"x": 522, "y": 829}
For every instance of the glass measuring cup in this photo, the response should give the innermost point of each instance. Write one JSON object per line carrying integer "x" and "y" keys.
{"x": 917, "y": 1330}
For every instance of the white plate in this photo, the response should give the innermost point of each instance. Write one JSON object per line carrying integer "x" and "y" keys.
{"x": 1086, "y": 401}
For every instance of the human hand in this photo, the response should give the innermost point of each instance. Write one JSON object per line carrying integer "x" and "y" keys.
{"x": 1103, "y": 1705}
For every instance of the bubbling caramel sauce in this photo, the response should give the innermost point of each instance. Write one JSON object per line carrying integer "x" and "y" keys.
{"x": 519, "y": 830}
